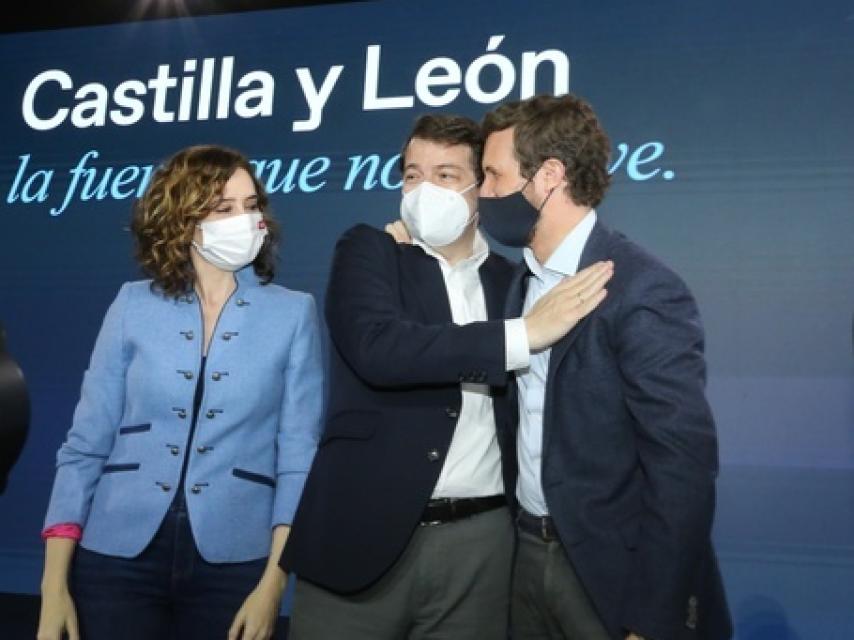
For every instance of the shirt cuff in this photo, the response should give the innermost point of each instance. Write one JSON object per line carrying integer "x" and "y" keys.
{"x": 516, "y": 349}
{"x": 64, "y": 530}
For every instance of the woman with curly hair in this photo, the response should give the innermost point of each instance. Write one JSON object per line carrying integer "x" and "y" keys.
{"x": 198, "y": 419}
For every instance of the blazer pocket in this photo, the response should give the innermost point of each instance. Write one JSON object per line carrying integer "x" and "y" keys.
{"x": 354, "y": 425}
{"x": 253, "y": 477}
{"x": 137, "y": 428}
{"x": 116, "y": 468}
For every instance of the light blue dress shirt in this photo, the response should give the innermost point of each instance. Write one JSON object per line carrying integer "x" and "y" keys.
{"x": 532, "y": 381}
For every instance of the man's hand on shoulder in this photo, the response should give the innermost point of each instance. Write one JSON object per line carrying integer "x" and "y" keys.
{"x": 398, "y": 231}
{"x": 556, "y": 313}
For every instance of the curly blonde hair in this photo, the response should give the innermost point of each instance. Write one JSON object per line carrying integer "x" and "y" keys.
{"x": 181, "y": 193}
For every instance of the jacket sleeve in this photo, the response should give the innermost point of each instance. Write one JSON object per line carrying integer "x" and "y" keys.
{"x": 386, "y": 349}
{"x": 96, "y": 417}
{"x": 663, "y": 368}
{"x": 301, "y": 412}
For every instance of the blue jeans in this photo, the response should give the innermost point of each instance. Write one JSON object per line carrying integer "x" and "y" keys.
{"x": 167, "y": 592}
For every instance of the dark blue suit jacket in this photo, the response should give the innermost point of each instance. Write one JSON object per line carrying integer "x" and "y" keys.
{"x": 395, "y": 375}
{"x": 630, "y": 451}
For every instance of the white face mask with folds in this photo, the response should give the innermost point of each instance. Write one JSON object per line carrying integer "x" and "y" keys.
{"x": 232, "y": 243}
{"x": 435, "y": 215}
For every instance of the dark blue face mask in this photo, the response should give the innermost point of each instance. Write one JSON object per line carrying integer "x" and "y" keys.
{"x": 510, "y": 219}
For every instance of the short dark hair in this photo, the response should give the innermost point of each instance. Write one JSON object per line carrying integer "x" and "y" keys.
{"x": 564, "y": 128}
{"x": 181, "y": 193}
{"x": 450, "y": 130}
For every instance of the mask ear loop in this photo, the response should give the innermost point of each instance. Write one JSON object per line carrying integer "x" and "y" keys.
{"x": 474, "y": 216}
{"x": 529, "y": 180}
{"x": 201, "y": 230}
{"x": 552, "y": 190}
{"x": 542, "y": 206}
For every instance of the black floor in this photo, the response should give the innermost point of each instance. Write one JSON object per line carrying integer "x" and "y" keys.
{"x": 19, "y": 615}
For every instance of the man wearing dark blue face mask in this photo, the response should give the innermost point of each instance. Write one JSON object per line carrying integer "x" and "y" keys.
{"x": 616, "y": 443}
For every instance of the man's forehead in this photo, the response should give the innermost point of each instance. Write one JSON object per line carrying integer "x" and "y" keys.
{"x": 501, "y": 139}
{"x": 436, "y": 153}
{"x": 414, "y": 162}
{"x": 499, "y": 147}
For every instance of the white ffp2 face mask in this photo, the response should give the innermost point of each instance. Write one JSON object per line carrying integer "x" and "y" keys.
{"x": 435, "y": 215}
{"x": 232, "y": 243}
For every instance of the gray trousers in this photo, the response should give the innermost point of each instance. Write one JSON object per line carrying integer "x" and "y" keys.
{"x": 549, "y": 602}
{"x": 451, "y": 583}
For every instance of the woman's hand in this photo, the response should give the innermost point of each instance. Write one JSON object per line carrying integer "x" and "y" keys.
{"x": 58, "y": 615}
{"x": 256, "y": 619}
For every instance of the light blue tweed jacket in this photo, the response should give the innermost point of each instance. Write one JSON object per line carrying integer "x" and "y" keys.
{"x": 257, "y": 429}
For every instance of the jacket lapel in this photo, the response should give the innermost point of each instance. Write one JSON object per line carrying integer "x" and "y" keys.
{"x": 494, "y": 291}
{"x": 424, "y": 279}
{"x": 514, "y": 303}
{"x": 515, "y": 299}
{"x": 595, "y": 249}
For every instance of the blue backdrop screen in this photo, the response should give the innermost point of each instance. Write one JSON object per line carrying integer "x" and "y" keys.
{"x": 733, "y": 161}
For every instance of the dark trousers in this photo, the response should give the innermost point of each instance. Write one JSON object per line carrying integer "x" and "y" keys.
{"x": 167, "y": 592}
{"x": 549, "y": 602}
{"x": 451, "y": 583}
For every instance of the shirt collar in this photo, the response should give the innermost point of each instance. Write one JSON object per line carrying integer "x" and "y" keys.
{"x": 480, "y": 252}
{"x": 564, "y": 261}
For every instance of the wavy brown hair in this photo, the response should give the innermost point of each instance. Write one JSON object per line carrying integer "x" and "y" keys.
{"x": 182, "y": 192}
{"x": 564, "y": 128}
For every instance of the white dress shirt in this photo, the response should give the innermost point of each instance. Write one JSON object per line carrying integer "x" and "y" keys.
{"x": 532, "y": 381}
{"x": 473, "y": 465}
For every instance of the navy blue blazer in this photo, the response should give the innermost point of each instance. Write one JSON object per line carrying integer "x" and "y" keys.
{"x": 395, "y": 373}
{"x": 630, "y": 451}
{"x": 256, "y": 434}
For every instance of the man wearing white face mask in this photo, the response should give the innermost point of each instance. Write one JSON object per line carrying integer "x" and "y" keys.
{"x": 403, "y": 530}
